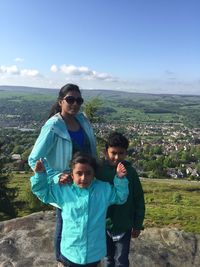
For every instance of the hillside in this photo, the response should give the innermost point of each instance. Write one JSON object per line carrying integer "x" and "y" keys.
{"x": 28, "y": 103}
{"x": 164, "y": 130}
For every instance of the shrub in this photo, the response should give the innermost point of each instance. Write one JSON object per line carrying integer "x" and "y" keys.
{"x": 177, "y": 197}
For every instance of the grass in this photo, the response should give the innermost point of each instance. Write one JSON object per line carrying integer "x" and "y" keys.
{"x": 172, "y": 203}
{"x": 24, "y": 202}
{"x": 169, "y": 203}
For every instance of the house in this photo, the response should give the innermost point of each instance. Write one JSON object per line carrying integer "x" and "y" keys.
{"x": 16, "y": 157}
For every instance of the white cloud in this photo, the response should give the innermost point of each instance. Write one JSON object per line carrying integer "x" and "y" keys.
{"x": 19, "y": 59}
{"x": 70, "y": 70}
{"x": 83, "y": 72}
{"x": 9, "y": 69}
{"x": 13, "y": 70}
{"x": 73, "y": 70}
{"x": 29, "y": 72}
{"x": 105, "y": 77}
{"x": 54, "y": 68}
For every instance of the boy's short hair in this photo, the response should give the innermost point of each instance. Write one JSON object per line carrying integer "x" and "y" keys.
{"x": 84, "y": 158}
{"x": 117, "y": 139}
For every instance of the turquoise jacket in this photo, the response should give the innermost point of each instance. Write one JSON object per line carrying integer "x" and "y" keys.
{"x": 84, "y": 214}
{"x": 55, "y": 146}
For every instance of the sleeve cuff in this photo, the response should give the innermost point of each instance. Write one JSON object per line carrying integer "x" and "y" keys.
{"x": 56, "y": 178}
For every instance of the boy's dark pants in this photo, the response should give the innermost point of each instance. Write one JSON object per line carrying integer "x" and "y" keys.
{"x": 58, "y": 233}
{"x": 118, "y": 251}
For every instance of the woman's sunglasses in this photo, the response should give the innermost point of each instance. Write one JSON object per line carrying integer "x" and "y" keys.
{"x": 71, "y": 99}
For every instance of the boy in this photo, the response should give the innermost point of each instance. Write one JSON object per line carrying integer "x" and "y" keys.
{"x": 123, "y": 221}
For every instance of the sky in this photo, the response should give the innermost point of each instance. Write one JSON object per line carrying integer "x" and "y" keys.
{"x": 146, "y": 46}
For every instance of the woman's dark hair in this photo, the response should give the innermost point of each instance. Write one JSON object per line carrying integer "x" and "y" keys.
{"x": 117, "y": 139}
{"x": 84, "y": 158}
{"x": 69, "y": 87}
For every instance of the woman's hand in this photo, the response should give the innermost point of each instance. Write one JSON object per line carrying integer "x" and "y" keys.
{"x": 65, "y": 178}
{"x": 121, "y": 170}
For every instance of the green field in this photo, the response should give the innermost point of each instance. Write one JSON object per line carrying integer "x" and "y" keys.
{"x": 171, "y": 203}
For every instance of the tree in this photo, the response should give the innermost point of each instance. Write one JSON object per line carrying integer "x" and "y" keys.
{"x": 7, "y": 209}
{"x": 18, "y": 149}
{"x": 168, "y": 162}
{"x": 91, "y": 108}
{"x": 156, "y": 150}
{"x": 26, "y": 153}
{"x": 185, "y": 157}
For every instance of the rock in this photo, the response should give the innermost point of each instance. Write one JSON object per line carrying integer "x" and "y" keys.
{"x": 28, "y": 241}
{"x": 165, "y": 248}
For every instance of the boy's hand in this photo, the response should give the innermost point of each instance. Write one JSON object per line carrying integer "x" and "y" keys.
{"x": 65, "y": 178}
{"x": 135, "y": 233}
{"x": 121, "y": 170}
{"x": 39, "y": 166}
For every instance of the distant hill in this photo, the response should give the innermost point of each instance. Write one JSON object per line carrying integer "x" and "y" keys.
{"x": 27, "y": 89}
{"x": 32, "y": 104}
{"x": 103, "y": 93}
{"x": 86, "y": 92}
{"x": 90, "y": 92}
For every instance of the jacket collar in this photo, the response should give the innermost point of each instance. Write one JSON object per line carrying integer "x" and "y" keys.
{"x": 59, "y": 126}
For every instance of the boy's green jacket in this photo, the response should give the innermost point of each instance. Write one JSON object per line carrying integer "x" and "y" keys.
{"x": 121, "y": 218}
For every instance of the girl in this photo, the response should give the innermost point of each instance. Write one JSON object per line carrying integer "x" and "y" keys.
{"x": 84, "y": 204}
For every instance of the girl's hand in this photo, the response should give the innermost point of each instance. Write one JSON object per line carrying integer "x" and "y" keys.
{"x": 65, "y": 178}
{"x": 121, "y": 170}
{"x": 39, "y": 166}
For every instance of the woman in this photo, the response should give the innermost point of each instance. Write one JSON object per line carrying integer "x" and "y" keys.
{"x": 66, "y": 131}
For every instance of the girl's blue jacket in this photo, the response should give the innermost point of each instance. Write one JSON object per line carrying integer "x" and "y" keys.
{"x": 84, "y": 214}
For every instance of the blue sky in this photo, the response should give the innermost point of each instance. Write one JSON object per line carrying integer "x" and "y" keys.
{"x": 132, "y": 45}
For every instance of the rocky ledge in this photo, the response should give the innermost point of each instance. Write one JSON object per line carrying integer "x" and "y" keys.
{"x": 28, "y": 241}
